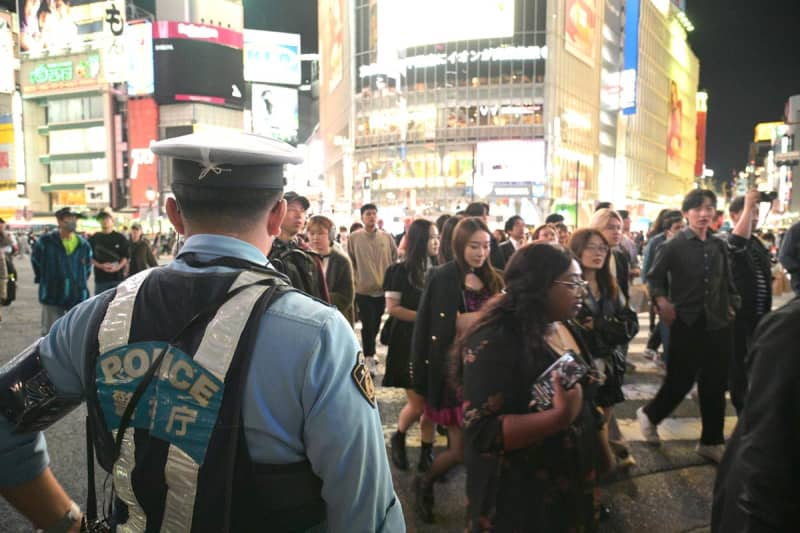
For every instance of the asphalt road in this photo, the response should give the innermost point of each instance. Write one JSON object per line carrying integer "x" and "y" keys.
{"x": 669, "y": 490}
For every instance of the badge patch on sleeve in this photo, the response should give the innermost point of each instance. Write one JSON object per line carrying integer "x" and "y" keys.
{"x": 363, "y": 379}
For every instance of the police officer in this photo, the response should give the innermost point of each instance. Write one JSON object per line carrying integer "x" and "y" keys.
{"x": 218, "y": 398}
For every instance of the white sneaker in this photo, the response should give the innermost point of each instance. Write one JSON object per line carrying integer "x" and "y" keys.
{"x": 649, "y": 430}
{"x": 651, "y": 354}
{"x": 712, "y": 452}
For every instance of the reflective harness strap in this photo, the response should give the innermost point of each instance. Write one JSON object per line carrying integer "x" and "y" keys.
{"x": 114, "y": 332}
{"x": 215, "y": 353}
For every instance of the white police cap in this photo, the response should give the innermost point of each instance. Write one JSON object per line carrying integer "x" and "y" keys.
{"x": 227, "y": 160}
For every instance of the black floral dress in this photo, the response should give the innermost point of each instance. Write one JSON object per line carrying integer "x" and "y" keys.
{"x": 547, "y": 487}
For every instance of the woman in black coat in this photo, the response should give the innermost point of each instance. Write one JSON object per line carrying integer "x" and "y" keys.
{"x": 453, "y": 294}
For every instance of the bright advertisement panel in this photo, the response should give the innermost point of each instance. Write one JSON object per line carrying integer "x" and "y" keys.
{"x": 580, "y": 29}
{"x": 51, "y": 75}
{"x": 407, "y": 23}
{"x": 331, "y": 39}
{"x": 513, "y": 161}
{"x": 7, "y": 83}
{"x": 630, "y": 61}
{"x": 275, "y": 112}
{"x": 272, "y": 57}
{"x": 57, "y": 24}
{"x": 7, "y": 178}
{"x": 142, "y": 130}
{"x": 139, "y": 51}
{"x": 674, "y": 129}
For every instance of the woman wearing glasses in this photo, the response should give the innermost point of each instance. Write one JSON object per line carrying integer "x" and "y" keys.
{"x": 607, "y": 325}
{"x": 528, "y": 471}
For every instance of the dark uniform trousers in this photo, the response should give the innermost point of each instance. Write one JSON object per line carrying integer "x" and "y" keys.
{"x": 695, "y": 353}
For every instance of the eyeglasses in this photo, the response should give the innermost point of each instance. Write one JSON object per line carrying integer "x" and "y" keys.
{"x": 602, "y": 248}
{"x": 577, "y": 285}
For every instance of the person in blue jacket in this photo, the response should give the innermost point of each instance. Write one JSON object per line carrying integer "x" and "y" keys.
{"x": 62, "y": 263}
{"x": 219, "y": 398}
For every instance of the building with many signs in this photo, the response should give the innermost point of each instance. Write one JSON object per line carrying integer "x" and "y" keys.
{"x": 518, "y": 103}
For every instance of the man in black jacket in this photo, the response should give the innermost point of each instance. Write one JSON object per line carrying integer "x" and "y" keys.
{"x": 752, "y": 275}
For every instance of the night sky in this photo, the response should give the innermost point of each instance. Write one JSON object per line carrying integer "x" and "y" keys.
{"x": 749, "y": 64}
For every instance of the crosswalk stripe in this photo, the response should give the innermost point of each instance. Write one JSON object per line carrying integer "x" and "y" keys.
{"x": 672, "y": 428}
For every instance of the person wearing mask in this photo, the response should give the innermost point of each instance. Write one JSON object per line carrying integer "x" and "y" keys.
{"x": 142, "y": 256}
{"x": 607, "y": 325}
{"x": 337, "y": 267}
{"x": 255, "y": 410}
{"x": 692, "y": 285}
{"x": 515, "y": 228}
{"x": 110, "y": 254}
{"x": 453, "y": 293}
{"x": 62, "y": 264}
{"x": 371, "y": 252}
{"x": 752, "y": 275}
{"x": 528, "y": 470}
{"x": 403, "y": 284}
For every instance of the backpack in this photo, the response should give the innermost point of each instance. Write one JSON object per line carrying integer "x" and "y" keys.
{"x": 302, "y": 267}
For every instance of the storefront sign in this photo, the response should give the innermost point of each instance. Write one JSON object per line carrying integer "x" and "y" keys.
{"x": 47, "y": 76}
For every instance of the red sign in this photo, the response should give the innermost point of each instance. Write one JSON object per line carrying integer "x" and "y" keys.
{"x": 142, "y": 129}
{"x": 167, "y": 29}
{"x": 700, "y": 133}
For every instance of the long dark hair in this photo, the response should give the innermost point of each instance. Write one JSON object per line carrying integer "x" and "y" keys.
{"x": 524, "y": 306}
{"x": 578, "y": 243}
{"x": 465, "y": 229}
{"x": 416, "y": 259}
{"x": 446, "y": 239}
{"x": 658, "y": 225}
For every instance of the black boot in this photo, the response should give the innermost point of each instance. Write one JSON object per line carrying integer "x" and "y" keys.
{"x": 423, "y": 498}
{"x": 425, "y": 457}
{"x": 399, "y": 458}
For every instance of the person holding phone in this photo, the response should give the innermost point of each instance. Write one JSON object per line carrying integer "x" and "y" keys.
{"x": 528, "y": 471}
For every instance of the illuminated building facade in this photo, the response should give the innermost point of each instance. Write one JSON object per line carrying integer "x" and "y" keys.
{"x": 428, "y": 105}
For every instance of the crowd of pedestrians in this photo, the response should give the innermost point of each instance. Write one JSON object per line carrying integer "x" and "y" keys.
{"x": 477, "y": 318}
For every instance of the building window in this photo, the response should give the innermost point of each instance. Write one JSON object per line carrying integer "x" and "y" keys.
{"x": 63, "y": 110}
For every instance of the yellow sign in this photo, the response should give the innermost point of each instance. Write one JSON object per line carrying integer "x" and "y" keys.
{"x": 765, "y": 131}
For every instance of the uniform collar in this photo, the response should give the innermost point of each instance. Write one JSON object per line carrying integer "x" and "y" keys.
{"x": 222, "y": 246}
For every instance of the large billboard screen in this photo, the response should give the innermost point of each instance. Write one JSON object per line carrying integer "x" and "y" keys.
{"x": 407, "y": 23}
{"x": 54, "y": 25}
{"x": 513, "y": 161}
{"x": 331, "y": 39}
{"x": 275, "y": 112}
{"x": 630, "y": 66}
{"x": 272, "y": 57}
{"x": 139, "y": 50}
{"x": 580, "y": 29}
{"x": 179, "y": 75}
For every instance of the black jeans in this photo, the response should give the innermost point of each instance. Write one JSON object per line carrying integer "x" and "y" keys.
{"x": 696, "y": 354}
{"x": 737, "y": 383}
{"x": 370, "y": 310}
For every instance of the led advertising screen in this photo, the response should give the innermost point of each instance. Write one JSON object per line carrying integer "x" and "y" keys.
{"x": 331, "y": 42}
{"x": 580, "y": 29}
{"x": 139, "y": 51}
{"x": 406, "y": 23}
{"x": 630, "y": 60}
{"x": 272, "y": 57}
{"x": 53, "y": 25}
{"x": 513, "y": 161}
{"x": 275, "y": 112}
{"x": 179, "y": 77}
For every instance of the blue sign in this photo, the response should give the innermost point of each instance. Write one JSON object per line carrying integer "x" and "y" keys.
{"x": 180, "y": 405}
{"x": 630, "y": 62}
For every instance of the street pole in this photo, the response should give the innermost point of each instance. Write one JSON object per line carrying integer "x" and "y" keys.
{"x": 577, "y": 191}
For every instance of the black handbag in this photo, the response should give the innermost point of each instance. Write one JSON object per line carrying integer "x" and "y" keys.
{"x": 621, "y": 327}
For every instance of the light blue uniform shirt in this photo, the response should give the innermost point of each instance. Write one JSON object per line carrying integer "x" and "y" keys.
{"x": 300, "y": 402}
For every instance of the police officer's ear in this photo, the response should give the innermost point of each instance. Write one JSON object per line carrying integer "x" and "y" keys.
{"x": 174, "y": 215}
{"x": 275, "y": 218}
